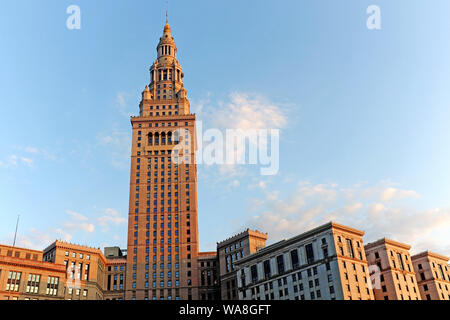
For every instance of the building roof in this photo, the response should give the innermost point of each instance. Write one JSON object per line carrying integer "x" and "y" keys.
{"x": 243, "y": 234}
{"x": 280, "y": 244}
{"x": 430, "y": 254}
{"x": 386, "y": 241}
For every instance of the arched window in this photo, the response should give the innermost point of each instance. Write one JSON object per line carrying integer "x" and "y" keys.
{"x": 150, "y": 138}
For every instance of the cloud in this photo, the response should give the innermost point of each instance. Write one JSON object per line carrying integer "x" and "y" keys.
{"x": 377, "y": 213}
{"x": 32, "y": 150}
{"x": 15, "y": 160}
{"x": 77, "y": 215}
{"x": 118, "y": 144}
{"x": 28, "y": 160}
{"x": 125, "y": 108}
{"x": 396, "y": 194}
{"x": 111, "y": 217}
{"x": 39, "y": 152}
{"x": 243, "y": 111}
{"x": 249, "y": 111}
{"x": 78, "y": 223}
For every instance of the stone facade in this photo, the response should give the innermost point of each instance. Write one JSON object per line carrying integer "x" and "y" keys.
{"x": 309, "y": 266}
{"x": 394, "y": 272}
{"x": 433, "y": 275}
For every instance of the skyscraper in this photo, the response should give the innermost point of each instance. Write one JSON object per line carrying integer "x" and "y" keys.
{"x": 162, "y": 226}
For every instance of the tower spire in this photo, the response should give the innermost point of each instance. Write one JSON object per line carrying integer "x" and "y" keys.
{"x": 167, "y": 11}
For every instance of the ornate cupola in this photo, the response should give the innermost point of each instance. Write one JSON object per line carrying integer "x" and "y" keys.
{"x": 166, "y": 78}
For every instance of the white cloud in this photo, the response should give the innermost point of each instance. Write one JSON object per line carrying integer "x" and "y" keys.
{"x": 124, "y": 107}
{"x": 78, "y": 223}
{"x": 119, "y": 145}
{"x": 238, "y": 111}
{"x": 77, "y": 215}
{"x": 15, "y": 160}
{"x": 311, "y": 205}
{"x": 246, "y": 111}
{"x": 32, "y": 150}
{"x": 109, "y": 217}
{"x": 235, "y": 183}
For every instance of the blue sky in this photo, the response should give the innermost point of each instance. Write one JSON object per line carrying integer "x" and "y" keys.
{"x": 365, "y": 115}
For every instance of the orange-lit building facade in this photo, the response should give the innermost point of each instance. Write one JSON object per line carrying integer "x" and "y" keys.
{"x": 85, "y": 269}
{"x": 326, "y": 263}
{"x": 433, "y": 275}
{"x": 162, "y": 225}
{"x": 25, "y": 276}
{"x": 229, "y": 252}
{"x": 394, "y": 277}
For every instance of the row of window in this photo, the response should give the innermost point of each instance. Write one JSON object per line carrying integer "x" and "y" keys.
{"x": 150, "y": 125}
{"x": 33, "y": 283}
{"x": 18, "y": 254}
{"x": 80, "y": 255}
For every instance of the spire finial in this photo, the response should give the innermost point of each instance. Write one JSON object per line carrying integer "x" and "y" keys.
{"x": 167, "y": 11}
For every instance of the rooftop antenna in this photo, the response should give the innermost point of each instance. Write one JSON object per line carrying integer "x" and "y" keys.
{"x": 15, "y": 234}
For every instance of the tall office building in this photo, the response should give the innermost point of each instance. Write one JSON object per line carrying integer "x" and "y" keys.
{"x": 162, "y": 226}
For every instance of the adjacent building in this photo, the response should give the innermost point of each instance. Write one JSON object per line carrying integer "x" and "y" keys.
{"x": 116, "y": 266}
{"x": 327, "y": 263}
{"x": 394, "y": 276}
{"x": 208, "y": 268}
{"x": 433, "y": 275}
{"x": 85, "y": 267}
{"x": 25, "y": 276}
{"x": 229, "y": 252}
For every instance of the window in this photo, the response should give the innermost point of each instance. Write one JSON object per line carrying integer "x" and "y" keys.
{"x": 13, "y": 281}
{"x": 52, "y": 286}
{"x": 33, "y": 283}
{"x": 309, "y": 253}
{"x": 267, "y": 271}
{"x": 294, "y": 259}
{"x": 400, "y": 260}
{"x": 280, "y": 264}
{"x": 350, "y": 248}
{"x": 254, "y": 273}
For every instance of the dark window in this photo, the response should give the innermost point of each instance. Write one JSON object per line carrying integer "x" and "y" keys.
{"x": 294, "y": 259}
{"x": 280, "y": 264}
{"x": 254, "y": 273}
{"x": 350, "y": 248}
{"x": 309, "y": 253}
{"x": 267, "y": 271}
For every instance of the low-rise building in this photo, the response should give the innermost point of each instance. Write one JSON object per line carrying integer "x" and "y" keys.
{"x": 326, "y": 263}
{"x": 232, "y": 250}
{"x": 394, "y": 277}
{"x": 433, "y": 275}
{"x": 208, "y": 268}
{"x": 85, "y": 267}
{"x": 116, "y": 264}
{"x": 24, "y": 276}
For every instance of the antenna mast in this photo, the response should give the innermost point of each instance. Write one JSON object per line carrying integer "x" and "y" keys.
{"x": 15, "y": 234}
